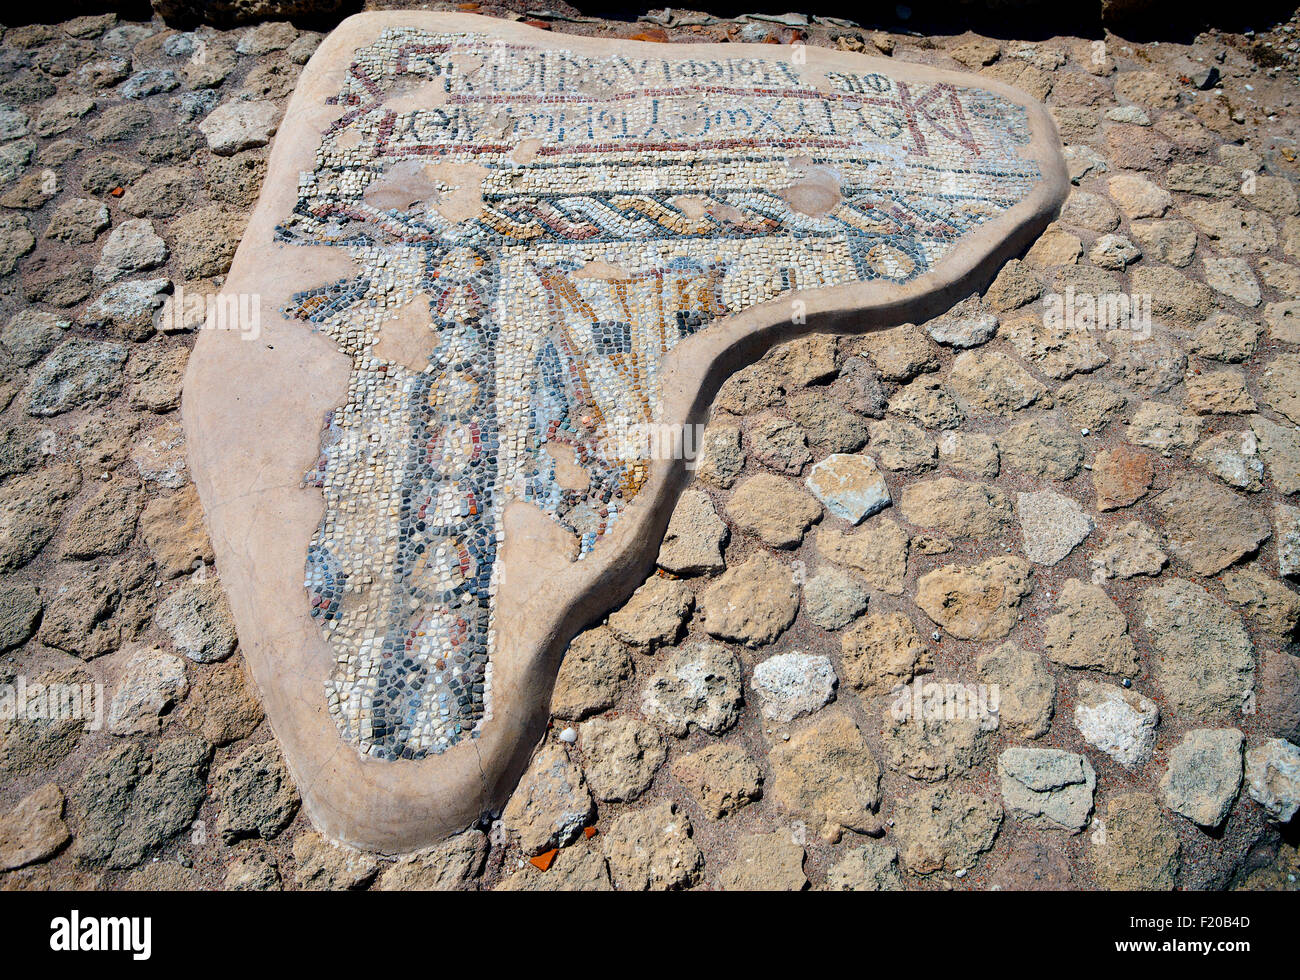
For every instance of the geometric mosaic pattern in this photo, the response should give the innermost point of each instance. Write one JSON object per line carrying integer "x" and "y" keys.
{"x": 547, "y": 226}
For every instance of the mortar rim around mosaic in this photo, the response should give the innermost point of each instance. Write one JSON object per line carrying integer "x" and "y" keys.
{"x": 404, "y": 805}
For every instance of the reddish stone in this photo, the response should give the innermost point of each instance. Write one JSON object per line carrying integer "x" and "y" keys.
{"x": 1122, "y": 476}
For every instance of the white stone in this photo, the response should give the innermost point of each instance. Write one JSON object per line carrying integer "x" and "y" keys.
{"x": 793, "y": 684}
{"x": 1273, "y": 778}
{"x": 1120, "y": 723}
{"x": 1051, "y": 524}
{"x": 240, "y": 125}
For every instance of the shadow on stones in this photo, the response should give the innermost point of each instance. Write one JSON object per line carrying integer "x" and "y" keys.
{"x": 1137, "y": 20}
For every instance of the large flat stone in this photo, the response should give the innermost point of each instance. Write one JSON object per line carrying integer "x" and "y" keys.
{"x": 491, "y": 276}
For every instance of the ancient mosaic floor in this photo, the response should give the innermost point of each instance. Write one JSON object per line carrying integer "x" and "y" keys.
{"x": 1001, "y": 598}
{"x": 538, "y": 232}
{"x": 620, "y": 204}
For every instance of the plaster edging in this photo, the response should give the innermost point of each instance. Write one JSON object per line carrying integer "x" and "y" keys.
{"x": 252, "y": 434}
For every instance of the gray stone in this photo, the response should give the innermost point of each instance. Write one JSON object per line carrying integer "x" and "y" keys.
{"x": 1279, "y": 445}
{"x": 77, "y": 221}
{"x": 1204, "y": 775}
{"x": 150, "y": 81}
{"x": 551, "y": 805}
{"x": 126, "y": 309}
{"x": 1113, "y": 252}
{"x": 31, "y": 334}
{"x": 20, "y": 611}
{"x": 965, "y": 325}
{"x": 1233, "y": 457}
{"x": 130, "y": 802}
{"x": 991, "y": 382}
{"x": 132, "y": 247}
{"x": 79, "y": 372}
{"x": 1286, "y": 521}
{"x": 850, "y": 485}
{"x": 869, "y": 867}
{"x": 1206, "y": 665}
{"x": 721, "y": 456}
{"x": 197, "y": 618}
{"x": 903, "y": 447}
{"x": 778, "y": 443}
{"x": 256, "y": 794}
{"x": 1047, "y": 788}
{"x": 832, "y": 599}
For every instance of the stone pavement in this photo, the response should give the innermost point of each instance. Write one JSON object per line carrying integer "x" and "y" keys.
{"x": 1078, "y": 538}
